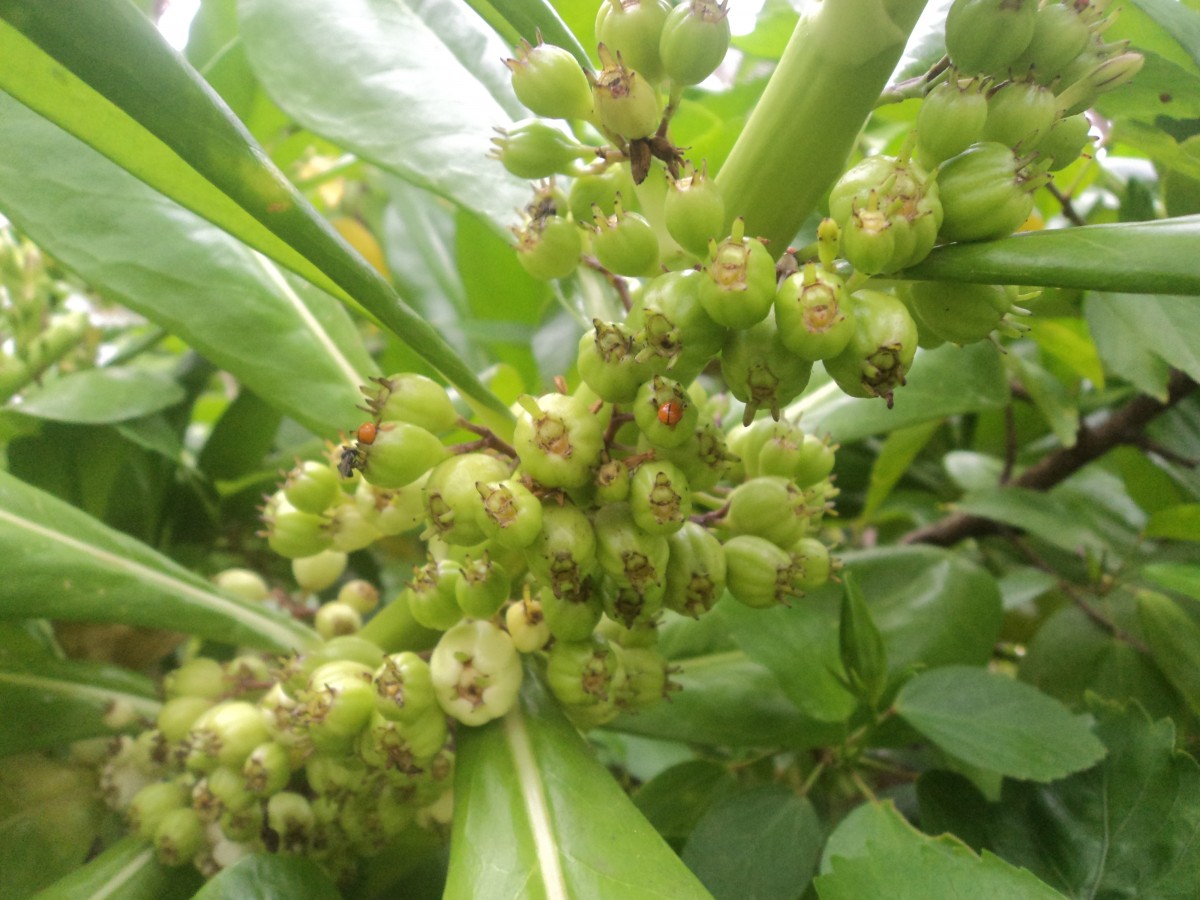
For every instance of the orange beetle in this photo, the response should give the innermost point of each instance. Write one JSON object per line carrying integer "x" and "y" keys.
{"x": 670, "y": 413}
{"x": 367, "y": 432}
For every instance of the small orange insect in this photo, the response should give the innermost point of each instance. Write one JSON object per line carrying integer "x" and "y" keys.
{"x": 670, "y": 413}
{"x": 367, "y": 432}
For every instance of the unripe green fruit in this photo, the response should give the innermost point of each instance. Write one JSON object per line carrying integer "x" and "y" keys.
{"x": 334, "y": 619}
{"x": 695, "y": 571}
{"x": 582, "y": 673}
{"x": 177, "y": 716}
{"x": 607, "y": 362}
{"x": 292, "y": 533}
{"x": 564, "y": 551}
{"x": 290, "y": 816}
{"x": 815, "y": 562}
{"x": 674, "y": 332}
{"x": 878, "y": 357}
{"x": 984, "y": 194}
{"x": 511, "y": 515}
{"x": 400, "y": 454}
{"x": 960, "y": 312}
{"x": 987, "y": 36}
{"x": 628, "y": 555}
{"x": 747, "y": 442}
{"x": 770, "y": 507}
{"x": 315, "y": 573}
{"x": 624, "y": 243}
{"x": 179, "y": 837}
{"x": 664, "y": 412}
{"x": 483, "y": 588}
{"x": 1060, "y": 33}
{"x": 391, "y": 512}
{"x": 633, "y": 28}
{"x": 694, "y": 39}
{"x": 549, "y": 248}
{"x": 453, "y": 503}
{"x": 348, "y": 528}
{"x": 403, "y": 687}
{"x": 433, "y": 597}
{"x": 267, "y": 769}
{"x": 412, "y": 398}
{"x": 573, "y": 615}
{"x": 780, "y": 453}
{"x": 660, "y": 497}
{"x": 815, "y": 463}
{"x": 243, "y": 583}
{"x": 311, "y": 487}
{"x": 624, "y": 99}
{"x": 758, "y": 573}
{"x": 813, "y": 313}
{"x": 199, "y": 677}
{"x": 360, "y": 595}
{"x": 1066, "y": 141}
{"x": 704, "y": 458}
{"x": 761, "y": 371}
{"x": 340, "y": 698}
{"x": 645, "y": 682}
{"x": 224, "y": 736}
{"x": 558, "y": 439}
{"x": 869, "y": 239}
{"x": 612, "y": 482}
{"x": 476, "y": 672}
{"x": 1020, "y": 112}
{"x": 601, "y": 189}
{"x": 350, "y": 647}
{"x": 898, "y": 182}
{"x": 534, "y": 149}
{"x": 152, "y": 804}
{"x": 740, "y": 287}
{"x": 244, "y": 826}
{"x": 402, "y": 746}
{"x": 549, "y": 81}
{"x": 527, "y": 625}
{"x": 951, "y": 119}
{"x": 694, "y": 212}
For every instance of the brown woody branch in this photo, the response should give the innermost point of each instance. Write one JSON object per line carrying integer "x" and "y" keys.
{"x": 1124, "y": 426}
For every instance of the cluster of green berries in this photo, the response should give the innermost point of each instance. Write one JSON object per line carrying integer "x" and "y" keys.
{"x": 330, "y": 755}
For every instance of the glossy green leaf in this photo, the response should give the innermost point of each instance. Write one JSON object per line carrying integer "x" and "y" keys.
{"x": 49, "y": 702}
{"x": 1180, "y": 523}
{"x": 1156, "y": 257}
{"x": 863, "y": 654}
{"x": 760, "y": 842}
{"x": 62, "y": 564}
{"x": 414, "y": 87}
{"x": 1176, "y": 21}
{"x": 1068, "y": 342}
{"x": 1046, "y": 515}
{"x": 895, "y": 456}
{"x": 568, "y": 828}
{"x": 931, "y": 606}
{"x": 1126, "y": 828}
{"x": 528, "y": 19}
{"x": 1174, "y": 641}
{"x": 677, "y": 798}
{"x": 129, "y": 870}
{"x": 1179, "y": 577}
{"x": 99, "y": 396}
{"x": 1049, "y": 395}
{"x": 162, "y": 122}
{"x": 270, "y": 876}
{"x": 944, "y": 382}
{"x": 996, "y": 723}
{"x": 874, "y": 852}
{"x": 1142, "y": 329}
{"x": 181, "y": 272}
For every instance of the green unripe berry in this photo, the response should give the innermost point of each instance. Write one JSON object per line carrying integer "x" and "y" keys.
{"x": 391, "y": 512}
{"x": 1060, "y": 33}
{"x": 1020, "y": 113}
{"x": 267, "y": 769}
{"x": 476, "y": 672}
{"x": 664, "y": 412}
{"x": 740, "y": 287}
{"x": 984, "y": 193}
{"x": 694, "y": 40}
{"x": 177, "y": 716}
{"x": 549, "y": 248}
{"x": 482, "y": 588}
{"x": 758, "y": 573}
{"x": 348, "y": 528}
{"x": 633, "y": 28}
{"x": 601, "y": 189}
{"x": 334, "y": 619}
{"x": 1066, "y": 141}
{"x": 660, "y": 497}
{"x": 607, "y": 362}
{"x": 243, "y": 583}
{"x": 199, "y": 677}
{"x": 674, "y": 332}
{"x": 534, "y": 149}
{"x": 402, "y": 746}
{"x": 582, "y": 673}
{"x": 292, "y": 533}
{"x": 780, "y": 453}
{"x": 815, "y": 562}
{"x": 360, "y": 595}
{"x": 960, "y": 312}
{"x": 770, "y": 507}
{"x": 813, "y": 313}
{"x": 951, "y": 119}
{"x": 625, "y": 101}
{"x": 695, "y": 571}
{"x": 628, "y": 555}
{"x": 527, "y": 625}
{"x": 179, "y": 837}
{"x": 152, "y": 804}
{"x": 339, "y": 701}
{"x": 400, "y": 454}
{"x": 879, "y": 355}
{"x": 612, "y": 482}
{"x": 564, "y": 551}
{"x": 315, "y": 573}
{"x": 453, "y": 503}
{"x": 630, "y": 607}
{"x": 403, "y": 687}
{"x": 549, "y": 81}
{"x": 624, "y": 243}
{"x": 511, "y": 515}
{"x": 311, "y": 486}
{"x": 869, "y": 238}
{"x": 412, "y": 398}
{"x": 645, "y": 682}
{"x": 433, "y": 596}
{"x": 291, "y": 817}
{"x": 694, "y": 212}
{"x": 573, "y": 615}
{"x": 988, "y": 36}
{"x": 558, "y": 439}
{"x": 761, "y": 371}
{"x": 815, "y": 463}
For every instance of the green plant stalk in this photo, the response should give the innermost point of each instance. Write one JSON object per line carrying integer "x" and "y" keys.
{"x": 795, "y": 144}
{"x": 394, "y": 629}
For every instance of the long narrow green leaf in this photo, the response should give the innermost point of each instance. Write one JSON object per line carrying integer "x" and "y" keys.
{"x": 72, "y": 62}
{"x": 129, "y": 870}
{"x": 568, "y": 828}
{"x": 190, "y": 278}
{"x": 62, "y": 564}
{"x": 1156, "y": 257}
{"x": 528, "y": 18}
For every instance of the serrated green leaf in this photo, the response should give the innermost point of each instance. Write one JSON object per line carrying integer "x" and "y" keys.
{"x": 1174, "y": 641}
{"x": 894, "y": 860}
{"x": 50, "y": 702}
{"x": 270, "y": 876}
{"x": 1136, "y": 258}
{"x": 944, "y": 382}
{"x": 759, "y": 842}
{"x": 129, "y": 870}
{"x": 161, "y": 121}
{"x": 1180, "y": 523}
{"x": 569, "y": 830}
{"x": 430, "y": 64}
{"x": 996, "y": 723}
{"x": 101, "y": 396}
{"x": 62, "y": 564}
{"x": 1126, "y": 828}
{"x": 180, "y": 272}
{"x": 931, "y": 606}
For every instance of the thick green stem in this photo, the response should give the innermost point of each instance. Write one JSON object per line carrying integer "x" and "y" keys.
{"x": 795, "y": 144}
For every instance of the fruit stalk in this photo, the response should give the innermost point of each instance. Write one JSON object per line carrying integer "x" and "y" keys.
{"x": 796, "y": 142}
